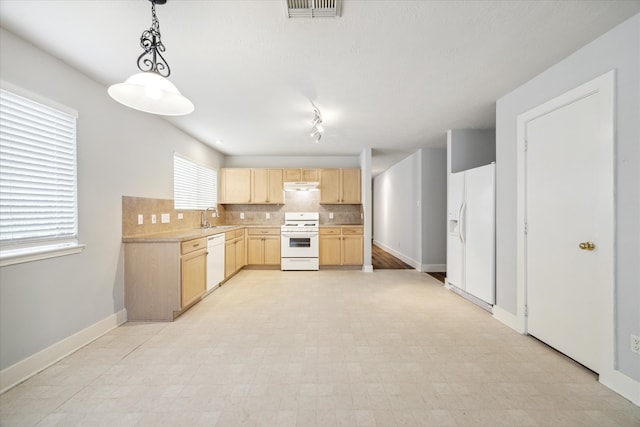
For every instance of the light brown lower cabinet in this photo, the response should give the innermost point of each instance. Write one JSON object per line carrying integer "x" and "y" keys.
{"x": 194, "y": 277}
{"x": 263, "y": 246}
{"x": 163, "y": 279}
{"x": 234, "y": 254}
{"x": 341, "y": 245}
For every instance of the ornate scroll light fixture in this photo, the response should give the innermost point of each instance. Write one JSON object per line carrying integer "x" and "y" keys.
{"x": 150, "y": 91}
{"x": 316, "y": 127}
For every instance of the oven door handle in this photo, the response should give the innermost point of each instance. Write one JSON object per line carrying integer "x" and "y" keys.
{"x": 299, "y": 234}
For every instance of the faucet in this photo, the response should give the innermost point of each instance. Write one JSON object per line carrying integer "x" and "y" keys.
{"x": 204, "y": 221}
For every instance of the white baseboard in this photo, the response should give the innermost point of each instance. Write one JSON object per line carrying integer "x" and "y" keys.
{"x": 434, "y": 268}
{"x": 413, "y": 263}
{"x": 509, "y": 319}
{"x": 623, "y": 385}
{"x": 26, "y": 368}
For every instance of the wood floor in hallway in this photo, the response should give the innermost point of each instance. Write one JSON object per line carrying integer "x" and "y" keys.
{"x": 383, "y": 260}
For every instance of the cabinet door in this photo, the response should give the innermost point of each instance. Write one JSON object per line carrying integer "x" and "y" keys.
{"x": 236, "y": 185}
{"x": 259, "y": 185}
{"x": 329, "y": 185}
{"x": 276, "y": 186}
{"x": 194, "y": 277}
{"x": 272, "y": 250}
{"x": 352, "y": 250}
{"x": 255, "y": 250}
{"x": 292, "y": 175}
{"x": 350, "y": 186}
{"x": 240, "y": 254}
{"x": 229, "y": 258}
{"x": 330, "y": 250}
{"x": 310, "y": 175}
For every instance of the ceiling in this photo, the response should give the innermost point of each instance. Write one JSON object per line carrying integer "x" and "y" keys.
{"x": 390, "y": 75}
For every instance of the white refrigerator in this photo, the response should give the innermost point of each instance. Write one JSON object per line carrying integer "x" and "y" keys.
{"x": 471, "y": 232}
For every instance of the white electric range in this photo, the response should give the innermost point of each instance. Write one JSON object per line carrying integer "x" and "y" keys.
{"x": 299, "y": 241}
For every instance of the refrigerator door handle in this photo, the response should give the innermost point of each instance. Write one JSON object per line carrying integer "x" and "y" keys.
{"x": 461, "y": 221}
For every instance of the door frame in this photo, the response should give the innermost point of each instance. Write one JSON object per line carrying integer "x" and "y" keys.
{"x": 605, "y": 86}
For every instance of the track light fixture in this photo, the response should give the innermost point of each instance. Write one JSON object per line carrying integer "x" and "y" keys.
{"x": 150, "y": 91}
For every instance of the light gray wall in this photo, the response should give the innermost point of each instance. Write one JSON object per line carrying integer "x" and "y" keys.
{"x": 396, "y": 214}
{"x": 618, "y": 49}
{"x": 120, "y": 152}
{"x": 470, "y": 148}
{"x": 367, "y": 206}
{"x": 292, "y": 161}
{"x": 434, "y": 206}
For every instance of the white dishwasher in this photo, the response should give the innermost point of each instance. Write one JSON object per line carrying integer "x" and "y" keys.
{"x": 215, "y": 260}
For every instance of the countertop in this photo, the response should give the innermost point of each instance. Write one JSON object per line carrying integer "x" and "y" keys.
{"x": 196, "y": 233}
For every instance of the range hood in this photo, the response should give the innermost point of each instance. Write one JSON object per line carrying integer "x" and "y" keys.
{"x": 301, "y": 186}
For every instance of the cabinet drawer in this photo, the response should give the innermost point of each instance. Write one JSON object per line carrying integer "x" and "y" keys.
{"x": 193, "y": 245}
{"x": 351, "y": 230}
{"x": 263, "y": 231}
{"x": 330, "y": 230}
{"x": 230, "y": 235}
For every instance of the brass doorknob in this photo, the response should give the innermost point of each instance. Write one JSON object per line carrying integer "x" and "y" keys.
{"x": 587, "y": 246}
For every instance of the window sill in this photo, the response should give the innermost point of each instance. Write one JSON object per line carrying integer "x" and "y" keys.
{"x": 18, "y": 256}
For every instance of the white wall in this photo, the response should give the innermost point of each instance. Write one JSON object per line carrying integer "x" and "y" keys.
{"x": 367, "y": 207}
{"x": 618, "y": 49}
{"x": 470, "y": 148}
{"x": 120, "y": 152}
{"x": 434, "y": 209}
{"x": 292, "y": 161}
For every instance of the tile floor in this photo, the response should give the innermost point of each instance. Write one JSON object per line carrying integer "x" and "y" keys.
{"x": 329, "y": 348}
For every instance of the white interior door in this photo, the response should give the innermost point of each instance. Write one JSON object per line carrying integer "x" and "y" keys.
{"x": 569, "y": 202}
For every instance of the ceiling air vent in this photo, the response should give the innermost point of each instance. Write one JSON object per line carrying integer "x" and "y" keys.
{"x": 312, "y": 8}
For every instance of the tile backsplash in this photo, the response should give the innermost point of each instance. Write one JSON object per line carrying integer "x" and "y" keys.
{"x": 295, "y": 201}
{"x": 134, "y": 206}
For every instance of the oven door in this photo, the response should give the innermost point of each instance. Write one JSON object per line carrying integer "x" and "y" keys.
{"x": 299, "y": 244}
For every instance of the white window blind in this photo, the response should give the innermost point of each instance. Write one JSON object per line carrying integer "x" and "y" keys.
{"x": 38, "y": 184}
{"x": 194, "y": 186}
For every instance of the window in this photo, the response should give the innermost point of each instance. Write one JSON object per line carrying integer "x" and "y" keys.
{"x": 194, "y": 186}
{"x": 38, "y": 183}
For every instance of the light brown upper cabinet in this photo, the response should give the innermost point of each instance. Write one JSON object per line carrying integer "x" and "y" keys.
{"x": 266, "y": 186}
{"x": 301, "y": 175}
{"x": 260, "y": 186}
{"x": 235, "y": 185}
{"x": 340, "y": 186}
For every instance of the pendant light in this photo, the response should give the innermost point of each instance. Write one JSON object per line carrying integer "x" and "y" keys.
{"x": 316, "y": 127}
{"x": 150, "y": 91}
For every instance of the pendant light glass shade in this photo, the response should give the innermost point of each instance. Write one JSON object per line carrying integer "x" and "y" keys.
{"x": 151, "y": 93}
